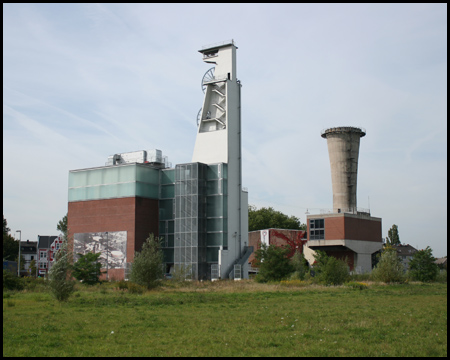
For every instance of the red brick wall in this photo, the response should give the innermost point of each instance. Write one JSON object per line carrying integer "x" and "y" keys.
{"x": 334, "y": 228}
{"x": 137, "y": 216}
{"x": 362, "y": 229}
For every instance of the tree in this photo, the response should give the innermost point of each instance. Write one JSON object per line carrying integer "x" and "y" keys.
{"x": 273, "y": 263}
{"x": 87, "y": 268}
{"x": 300, "y": 265}
{"x": 266, "y": 218}
{"x": 147, "y": 268}
{"x": 390, "y": 268}
{"x": 33, "y": 267}
{"x": 393, "y": 237}
{"x": 60, "y": 281}
{"x": 10, "y": 245}
{"x": 422, "y": 266}
{"x": 329, "y": 270}
{"x": 6, "y": 229}
{"x": 62, "y": 225}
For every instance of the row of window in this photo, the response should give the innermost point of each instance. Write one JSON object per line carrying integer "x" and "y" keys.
{"x": 316, "y": 229}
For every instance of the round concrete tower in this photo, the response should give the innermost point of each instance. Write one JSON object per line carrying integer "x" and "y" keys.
{"x": 343, "y": 149}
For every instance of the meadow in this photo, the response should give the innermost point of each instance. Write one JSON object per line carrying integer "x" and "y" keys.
{"x": 228, "y": 318}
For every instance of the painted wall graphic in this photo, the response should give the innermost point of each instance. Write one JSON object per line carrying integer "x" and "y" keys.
{"x": 112, "y": 245}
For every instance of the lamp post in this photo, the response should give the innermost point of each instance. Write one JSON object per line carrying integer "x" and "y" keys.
{"x": 20, "y": 239}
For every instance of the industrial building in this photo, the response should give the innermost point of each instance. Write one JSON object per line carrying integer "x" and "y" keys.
{"x": 199, "y": 209}
{"x": 345, "y": 232}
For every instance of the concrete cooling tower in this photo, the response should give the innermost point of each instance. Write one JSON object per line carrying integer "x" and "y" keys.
{"x": 343, "y": 150}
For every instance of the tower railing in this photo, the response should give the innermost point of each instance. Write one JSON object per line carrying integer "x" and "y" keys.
{"x": 357, "y": 210}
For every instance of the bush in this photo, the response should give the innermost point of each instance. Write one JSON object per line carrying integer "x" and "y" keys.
{"x": 11, "y": 281}
{"x": 273, "y": 263}
{"x": 60, "y": 282}
{"x": 389, "y": 269}
{"x": 442, "y": 276}
{"x": 422, "y": 266}
{"x": 122, "y": 285}
{"x": 136, "y": 288}
{"x": 147, "y": 268}
{"x": 87, "y": 268}
{"x": 329, "y": 270}
{"x": 34, "y": 284}
{"x": 300, "y": 265}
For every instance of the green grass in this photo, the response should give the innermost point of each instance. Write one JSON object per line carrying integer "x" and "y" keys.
{"x": 230, "y": 319}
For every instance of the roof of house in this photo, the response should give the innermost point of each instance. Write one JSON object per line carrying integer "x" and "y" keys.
{"x": 44, "y": 241}
{"x": 442, "y": 261}
{"x": 405, "y": 249}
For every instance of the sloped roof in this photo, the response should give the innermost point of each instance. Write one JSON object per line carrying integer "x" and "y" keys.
{"x": 45, "y": 241}
{"x": 405, "y": 250}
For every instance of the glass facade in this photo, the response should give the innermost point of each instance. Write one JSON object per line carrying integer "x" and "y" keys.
{"x": 114, "y": 182}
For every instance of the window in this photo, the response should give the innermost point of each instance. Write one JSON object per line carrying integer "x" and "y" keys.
{"x": 43, "y": 254}
{"x": 316, "y": 229}
{"x": 57, "y": 246}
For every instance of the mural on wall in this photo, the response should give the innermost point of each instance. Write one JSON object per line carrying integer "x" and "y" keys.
{"x": 111, "y": 245}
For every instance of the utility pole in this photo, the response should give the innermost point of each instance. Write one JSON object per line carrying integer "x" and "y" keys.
{"x": 20, "y": 239}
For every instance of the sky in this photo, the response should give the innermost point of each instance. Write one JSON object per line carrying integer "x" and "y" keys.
{"x": 85, "y": 81}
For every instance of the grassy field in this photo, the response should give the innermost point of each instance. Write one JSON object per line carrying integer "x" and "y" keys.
{"x": 230, "y": 319}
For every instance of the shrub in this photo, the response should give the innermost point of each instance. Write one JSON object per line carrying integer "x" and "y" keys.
{"x": 389, "y": 269}
{"x": 87, "y": 268}
{"x": 11, "y": 281}
{"x": 34, "y": 284}
{"x": 422, "y": 266}
{"x": 329, "y": 270}
{"x": 136, "y": 288}
{"x": 122, "y": 285}
{"x": 273, "y": 263}
{"x": 442, "y": 276}
{"x": 300, "y": 265}
{"x": 60, "y": 282}
{"x": 147, "y": 268}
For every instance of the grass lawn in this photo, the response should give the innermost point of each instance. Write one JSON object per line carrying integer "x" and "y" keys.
{"x": 230, "y": 319}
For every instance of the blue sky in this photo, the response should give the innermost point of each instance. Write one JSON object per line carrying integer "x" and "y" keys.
{"x": 84, "y": 81}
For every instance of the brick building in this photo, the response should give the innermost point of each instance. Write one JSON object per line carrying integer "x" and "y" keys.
{"x": 355, "y": 237}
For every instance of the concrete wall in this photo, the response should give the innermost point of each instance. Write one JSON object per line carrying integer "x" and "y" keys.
{"x": 343, "y": 150}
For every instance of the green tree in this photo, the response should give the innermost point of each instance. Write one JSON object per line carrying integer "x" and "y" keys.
{"x": 393, "y": 238}
{"x": 62, "y": 225}
{"x": 389, "y": 268}
{"x": 60, "y": 281}
{"x": 266, "y": 218}
{"x": 329, "y": 270}
{"x": 147, "y": 268}
{"x": 10, "y": 245}
{"x": 273, "y": 263}
{"x": 33, "y": 267}
{"x": 6, "y": 229}
{"x": 87, "y": 268}
{"x": 422, "y": 266}
{"x": 300, "y": 265}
